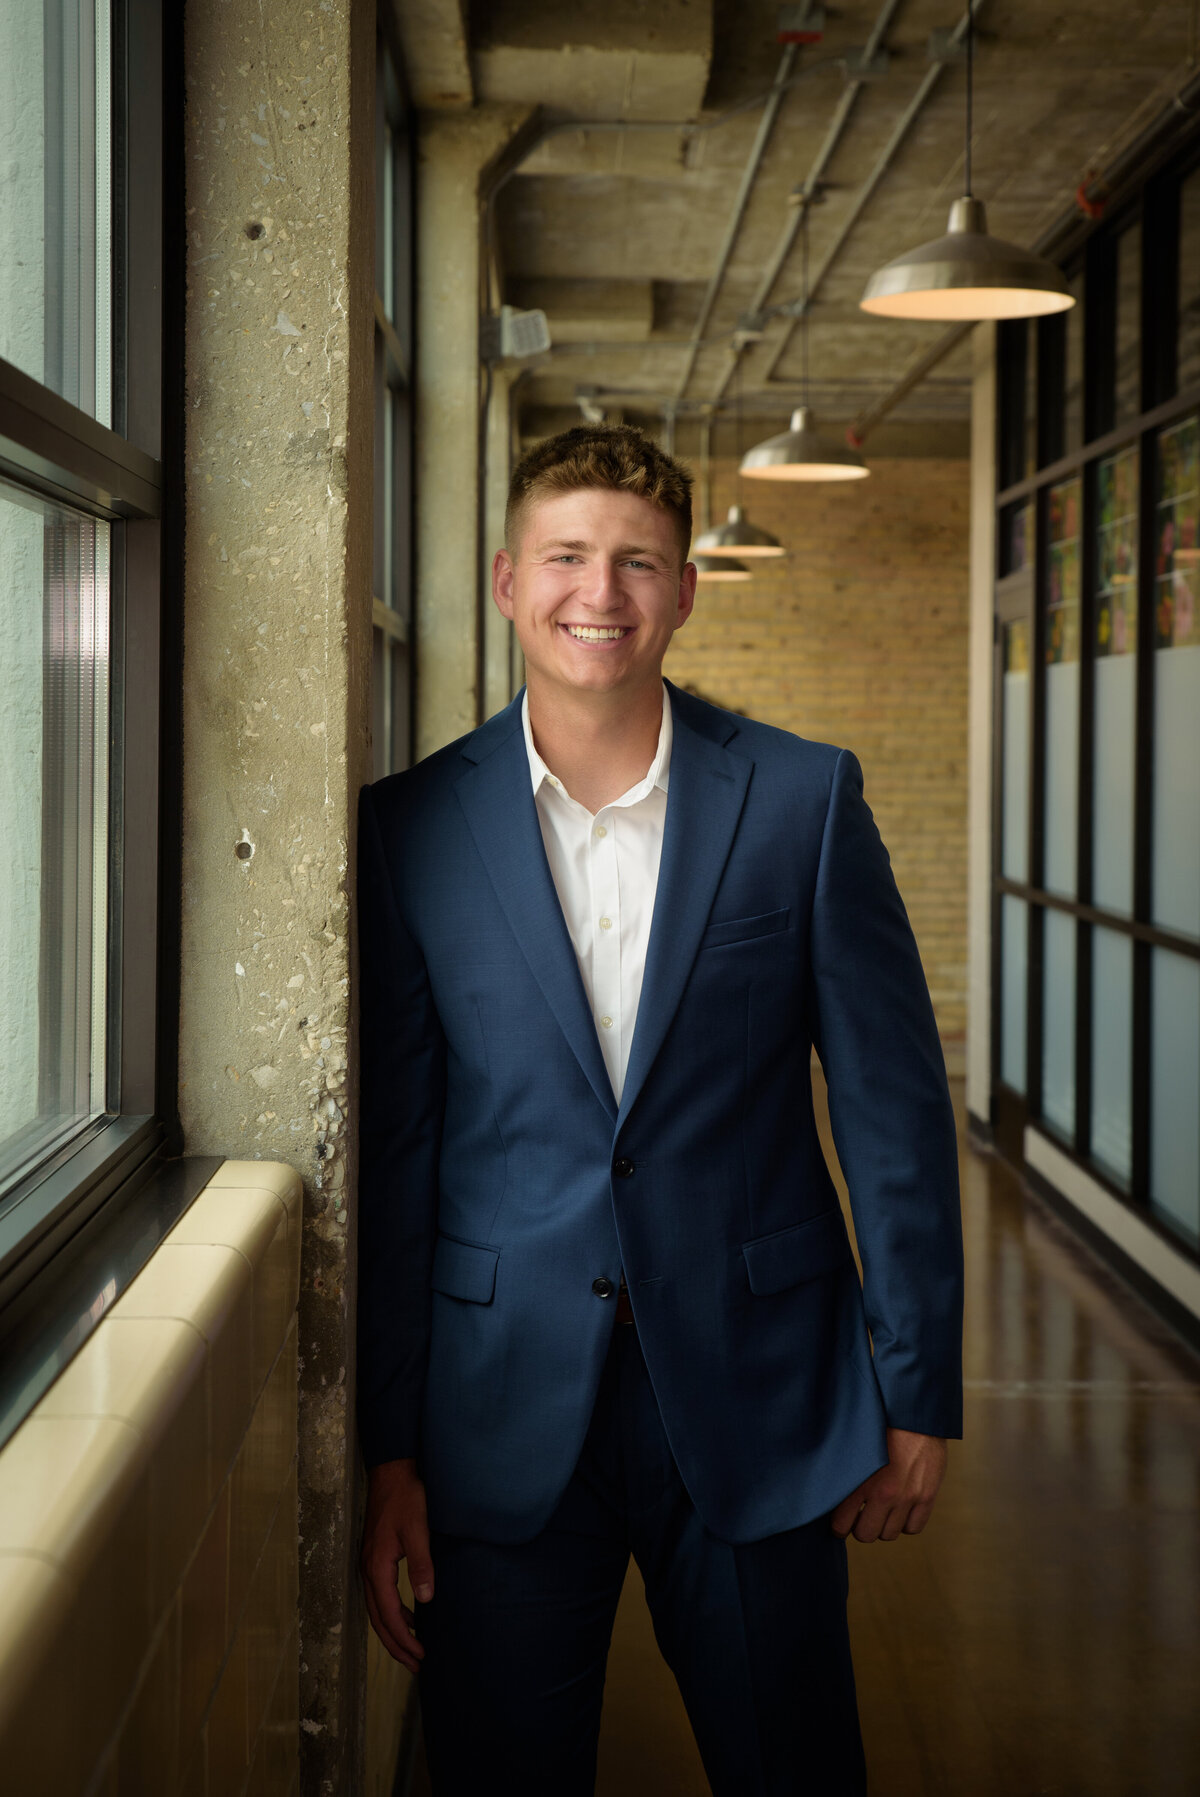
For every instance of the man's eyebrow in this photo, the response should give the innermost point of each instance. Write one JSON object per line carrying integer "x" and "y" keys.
{"x": 581, "y": 548}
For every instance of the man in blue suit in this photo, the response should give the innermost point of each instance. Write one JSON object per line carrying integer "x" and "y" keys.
{"x": 607, "y": 1300}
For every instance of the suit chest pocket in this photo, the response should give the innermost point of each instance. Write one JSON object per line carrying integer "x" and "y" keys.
{"x": 745, "y": 929}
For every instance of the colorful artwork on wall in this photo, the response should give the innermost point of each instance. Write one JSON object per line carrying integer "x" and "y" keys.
{"x": 1062, "y": 572}
{"x": 1116, "y": 554}
{"x": 1177, "y": 537}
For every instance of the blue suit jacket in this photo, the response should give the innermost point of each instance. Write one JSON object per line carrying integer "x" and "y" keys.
{"x": 499, "y": 1178}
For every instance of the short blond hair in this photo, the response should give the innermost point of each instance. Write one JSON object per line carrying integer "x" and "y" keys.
{"x": 614, "y": 456}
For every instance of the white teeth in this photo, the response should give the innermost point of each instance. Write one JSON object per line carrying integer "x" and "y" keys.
{"x": 593, "y": 633}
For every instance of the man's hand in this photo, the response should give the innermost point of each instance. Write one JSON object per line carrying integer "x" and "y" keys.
{"x": 396, "y": 1529}
{"x": 898, "y": 1499}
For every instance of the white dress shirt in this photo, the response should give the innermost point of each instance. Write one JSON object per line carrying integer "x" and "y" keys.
{"x": 605, "y": 871}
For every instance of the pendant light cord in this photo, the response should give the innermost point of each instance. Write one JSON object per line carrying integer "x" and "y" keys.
{"x": 970, "y": 87}
{"x": 804, "y": 315}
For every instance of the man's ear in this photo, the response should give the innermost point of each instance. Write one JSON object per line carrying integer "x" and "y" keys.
{"x": 502, "y": 582}
{"x": 687, "y": 593}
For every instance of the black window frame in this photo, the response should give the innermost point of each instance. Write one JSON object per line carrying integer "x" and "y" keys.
{"x": 129, "y": 476}
{"x": 1155, "y": 200}
{"x": 392, "y": 621}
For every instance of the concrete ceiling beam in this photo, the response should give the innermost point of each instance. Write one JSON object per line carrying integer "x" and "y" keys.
{"x": 616, "y": 59}
{"x": 433, "y": 39}
{"x": 580, "y": 311}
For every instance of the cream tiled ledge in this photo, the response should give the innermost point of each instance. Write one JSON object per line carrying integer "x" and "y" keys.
{"x": 148, "y": 1524}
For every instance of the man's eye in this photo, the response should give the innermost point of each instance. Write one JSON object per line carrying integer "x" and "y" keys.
{"x": 635, "y": 564}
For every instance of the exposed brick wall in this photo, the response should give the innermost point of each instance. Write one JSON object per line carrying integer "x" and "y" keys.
{"x": 859, "y": 638}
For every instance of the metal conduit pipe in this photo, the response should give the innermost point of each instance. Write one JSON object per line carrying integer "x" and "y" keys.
{"x": 761, "y": 138}
{"x": 887, "y": 156}
{"x": 812, "y": 180}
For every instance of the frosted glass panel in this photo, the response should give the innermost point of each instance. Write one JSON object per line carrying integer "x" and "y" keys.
{"x": 1175, "y": 1093}
{"x": 1014, "y": 847}
{"x": 1058, "y": 1022}
{"x": 1062, "y": 689}
{"x": 1175, "y": 865}
{"x": 1014, "y": 960}
{"x": 1112, "y": 816}
{"x": 1176, "y": 860}
{"x": 1112, "y": 1051}
{"x": 1062, "y": 777}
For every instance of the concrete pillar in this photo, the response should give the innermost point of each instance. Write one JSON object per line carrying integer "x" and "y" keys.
{"x": 982, "y": 566}
{"x": 459, "y": 155}
{"x": 277, "y": 635}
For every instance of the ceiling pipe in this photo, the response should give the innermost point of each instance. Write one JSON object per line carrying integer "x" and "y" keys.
{"x": 886, "y": 157}
{"x": 765, "y": 126}
{"x": 812, "y": 181}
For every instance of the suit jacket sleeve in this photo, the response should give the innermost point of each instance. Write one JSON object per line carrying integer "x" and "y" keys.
{"x": 402, "y": 1054}
{"x": 892, "y": 1119}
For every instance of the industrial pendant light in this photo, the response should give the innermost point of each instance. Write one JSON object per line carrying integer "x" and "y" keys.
{"x": 801, "y": 452}
{"x": 967, "y": 275}
{"x": 737, "y": 537}
{"x": 719, "y": 567}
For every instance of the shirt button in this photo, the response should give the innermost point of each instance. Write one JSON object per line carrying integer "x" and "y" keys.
{"x": 606, "y": 923}
{"x": 603, "y": 1288}
{"x": 606, "y": 1023}
{"x": 623, "y": 1168}
{"x": 599, "y": 831}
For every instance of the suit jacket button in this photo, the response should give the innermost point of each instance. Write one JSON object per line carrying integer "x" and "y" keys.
{"x": 623, "y": 1168}
{"x": 603, "y": 1288}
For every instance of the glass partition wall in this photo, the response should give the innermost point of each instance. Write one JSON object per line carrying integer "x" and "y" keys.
{"x": 1096, "y": 926}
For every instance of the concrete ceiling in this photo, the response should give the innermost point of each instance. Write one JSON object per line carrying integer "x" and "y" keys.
{"x": 616, "y": 231}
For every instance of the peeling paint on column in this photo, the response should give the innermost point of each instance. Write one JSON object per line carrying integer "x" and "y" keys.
{"x": 277, "y": 641}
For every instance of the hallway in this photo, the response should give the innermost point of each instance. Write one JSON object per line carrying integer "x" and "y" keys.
{"x": 1043, "y": 1635}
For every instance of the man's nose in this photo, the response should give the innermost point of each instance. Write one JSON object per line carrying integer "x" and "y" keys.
{"x": 603, "y": 592}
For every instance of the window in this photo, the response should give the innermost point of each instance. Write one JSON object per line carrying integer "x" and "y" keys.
{"x": 81, "y": 523}
{"x": 392, "y": 671}
{"x": 1096, "y": 920}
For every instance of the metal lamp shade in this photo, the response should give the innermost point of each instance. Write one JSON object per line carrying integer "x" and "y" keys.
{"x": 966, "y": 276}
{"x": 737, "y": 537}
{"x": 719, "y": 567}
{"x": 802, "y": 453}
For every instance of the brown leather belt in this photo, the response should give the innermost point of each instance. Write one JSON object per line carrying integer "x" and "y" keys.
{"x": 624, "y": 1307}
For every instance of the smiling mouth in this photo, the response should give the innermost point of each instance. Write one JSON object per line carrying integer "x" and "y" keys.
{"x": 596, "y": 633}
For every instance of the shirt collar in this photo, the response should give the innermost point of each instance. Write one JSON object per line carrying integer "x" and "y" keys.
{"x": 658, "y": 773}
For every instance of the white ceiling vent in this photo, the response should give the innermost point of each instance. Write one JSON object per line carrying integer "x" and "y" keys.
{"x": 513, "y": 333}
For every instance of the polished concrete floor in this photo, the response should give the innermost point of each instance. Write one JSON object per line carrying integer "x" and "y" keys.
{"x": 1043, "y": 1634}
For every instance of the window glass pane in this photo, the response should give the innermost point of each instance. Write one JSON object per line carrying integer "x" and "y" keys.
{"x": 1014, "y": 960}
{"x": 1073, "y": 370}
{"x": 1115, "y": 650}
{"x": 379, "y": 719}
{"x": 1128, "y": 395}
{"x": 387, "y": 203}
{"x": 387, "y": 591}
{"x": 1112, "y": 1051}
{"x": 1058, "y": 1022}
{"x": 1014, "y": 846}
{"x": 1189, "y": 280}
{"x": 1175, "y": 1093}
{"x": 1062, "y": 688}
{"x": 1016, "y": 537}
{"x": 55, "y": 183}
{"x": 1176, "y": 818}
{"x": 54, "y": 678}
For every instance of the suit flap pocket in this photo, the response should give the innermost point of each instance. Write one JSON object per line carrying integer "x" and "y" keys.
{"x": 744, "y": 929}
{"x": 790, "y": 1256}
{"x": 464, "y": 1270}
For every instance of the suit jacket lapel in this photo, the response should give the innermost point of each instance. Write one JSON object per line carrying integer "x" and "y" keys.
{"x": 497, "y": 798}
{"x": 704, "y": 802}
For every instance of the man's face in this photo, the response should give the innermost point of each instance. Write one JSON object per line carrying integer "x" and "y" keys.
{"x": 595, "y": 590}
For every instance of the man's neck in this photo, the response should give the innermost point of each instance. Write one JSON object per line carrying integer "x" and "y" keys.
{"x": 597, "y": 744}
